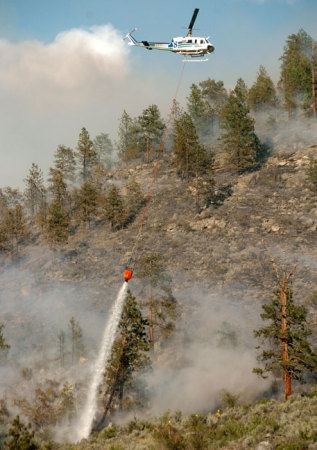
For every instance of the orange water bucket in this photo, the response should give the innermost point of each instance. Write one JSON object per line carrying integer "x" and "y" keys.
{"x": 128, "y": 275}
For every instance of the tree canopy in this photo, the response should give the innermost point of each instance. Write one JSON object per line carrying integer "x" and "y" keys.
{"x": 239, "y": 139}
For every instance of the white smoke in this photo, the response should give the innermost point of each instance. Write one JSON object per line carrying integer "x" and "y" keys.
{"x": 49, "y": 91}
{"x": 202, "y": 365}
{"x": 74, "y": 62}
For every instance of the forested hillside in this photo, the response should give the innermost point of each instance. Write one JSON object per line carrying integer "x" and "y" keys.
{"x": 221, "y": 308}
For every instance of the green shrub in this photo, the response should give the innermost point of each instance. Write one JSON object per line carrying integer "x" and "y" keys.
{"x": 110, "y": 432}
{"x": 228, "y": 430}
{"x": 229, "y": 399}
{"x": 311, "y": 174}
{"x": 198, "y": 431}
{"x": 170, "y": 437}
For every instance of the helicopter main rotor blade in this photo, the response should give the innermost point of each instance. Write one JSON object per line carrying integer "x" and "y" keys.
{"x": 190, "y": 27}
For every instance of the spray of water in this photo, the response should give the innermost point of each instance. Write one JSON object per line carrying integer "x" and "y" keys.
{"x": 86, "y": 419}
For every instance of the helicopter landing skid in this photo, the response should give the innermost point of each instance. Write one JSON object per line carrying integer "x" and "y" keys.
{"x": 195, "y": 60}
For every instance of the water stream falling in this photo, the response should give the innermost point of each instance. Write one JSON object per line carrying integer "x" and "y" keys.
{"x": 86, "y": 419}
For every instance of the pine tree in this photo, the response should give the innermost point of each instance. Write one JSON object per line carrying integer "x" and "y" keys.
{"x": 124, "y": 130}
{"x": 34, "y": 193}
{"x": 189, "y": 154}
{"x": 57, "y": 225}
{"x": 239, "y": 139}
{"x": 262, "y": 94}
{"x": 160, "y": 303}
{"x": 100, "y": 175}
{"x": 151, "y": 129}
{"x": 104, "y": 150}
{"x": 42, "y": 411}
{"x": 10, "y": 197}
{"x": 85, "y": 154}
{"x": 13, "y": 229}
{"x": 64, "y": 161}
{"x": 300, "y": 357}
{"x": 296, "y": 72}
{"x": 66, "y": 408}
{"x": 128, "y": 356}
{"x": 20, "y": 437}
{"x": 215, "y": 93}
{"x": 200, "y": 111}
{"x": 76, "y": 339}
{"x": 86, "y": 202}
{"x": 58, "y": 187}
{"x": 114, "y": 209}
{"x": 129, "y": 146}
{"x": 134, "y": 198}
{"x": 192, "y": 160}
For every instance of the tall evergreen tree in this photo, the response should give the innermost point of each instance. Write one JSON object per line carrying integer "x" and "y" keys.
{"x": 20, "y": 437}
{"x": 215, "y": 93}
{"x": 10, "y": 197}
{"x": 42, "y": 410}
{"x": 151, "y": 128}
{"x": 200, "y": 111}
{"x": 13, "y": 229}
{"x": 114, "y": 208}
{"x": 76, "y": 339}
{"x": 239, "y": 139}
{"x": 161, "y": 304}
{"x": 66, "y": 407}
{"x": 58, "y": 187}
{"x": 85, "y": 154}
{"x": 189, "y": 154}
{"x": 192, "y": 160}
{"x": 57, "y": 225}
{"x": 64, "y": 161}
{"x": 104, "y": 150}
{"x": 301, "y": 358}
{"x": 35, "y": 193}
{"x": 134, "y": 198}
{"x": 86, "y": 202}
{"x": 296, "y": 72}
{"x": 128, "y": 356}
{"x": 129, "y": 146}
{"x": 262, "y": 94}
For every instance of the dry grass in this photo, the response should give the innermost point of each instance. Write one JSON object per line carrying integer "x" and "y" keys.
{"x": 281, "y": 425}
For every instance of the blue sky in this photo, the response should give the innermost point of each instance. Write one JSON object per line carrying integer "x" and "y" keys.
{"x": 244, "y": 31}
{"x": 59, "y": 82}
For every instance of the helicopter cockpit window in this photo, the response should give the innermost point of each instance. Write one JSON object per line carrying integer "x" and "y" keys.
{"x": 207, "y": 41}
{"x": 201, "y": 41}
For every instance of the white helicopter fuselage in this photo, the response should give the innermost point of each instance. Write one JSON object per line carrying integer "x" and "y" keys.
{"x": 189, "y": 45}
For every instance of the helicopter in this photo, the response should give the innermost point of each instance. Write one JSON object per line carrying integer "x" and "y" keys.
{"x": 188, "y": 46}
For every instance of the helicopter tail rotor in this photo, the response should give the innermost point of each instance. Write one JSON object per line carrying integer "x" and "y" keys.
{"x": 128, "y": 36}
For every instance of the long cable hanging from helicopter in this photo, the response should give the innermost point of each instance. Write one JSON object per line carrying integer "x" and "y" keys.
{"x": 128, "y": 272}
{"x": 187, "y": 46}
